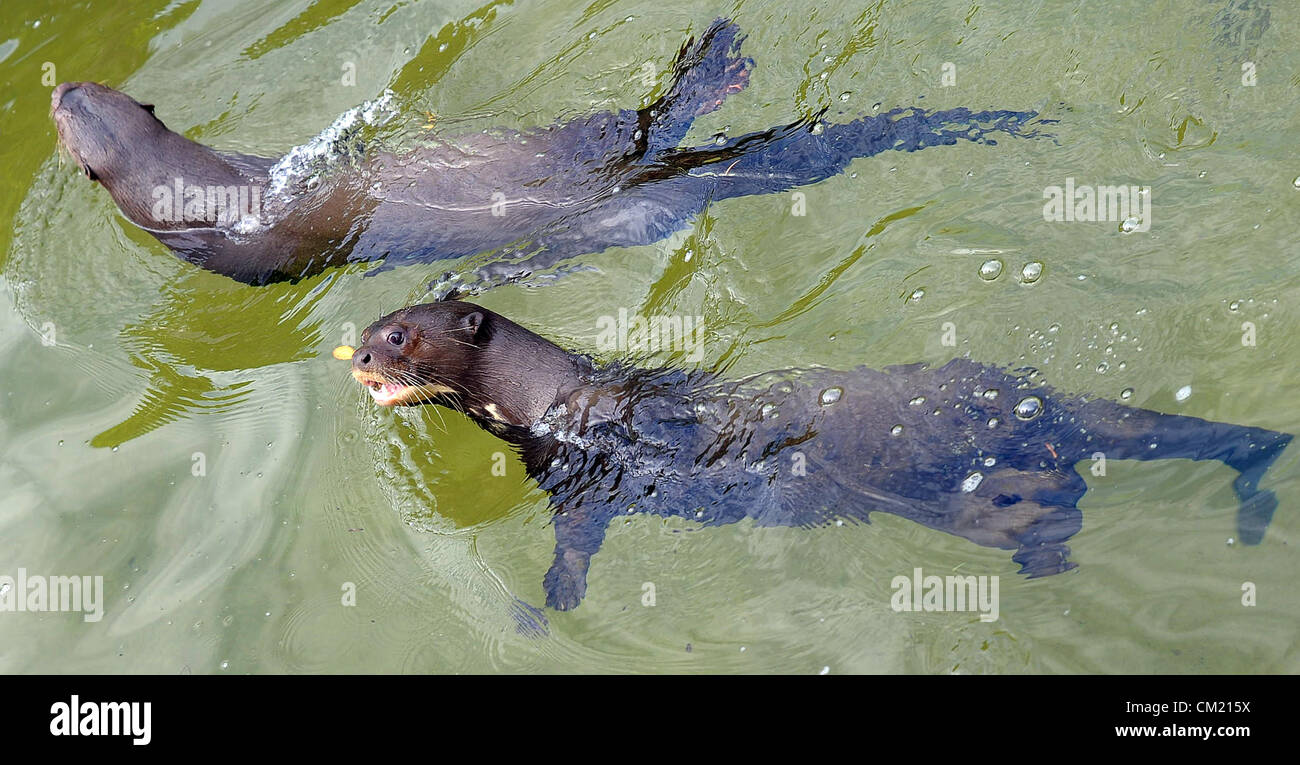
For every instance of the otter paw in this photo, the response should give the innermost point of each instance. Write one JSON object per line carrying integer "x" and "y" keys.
{"x": 449, "y": 286}
{"x": 1043, "y": 559}
{"x": 566, "y": 582}
{"x": 1254, "y": 515}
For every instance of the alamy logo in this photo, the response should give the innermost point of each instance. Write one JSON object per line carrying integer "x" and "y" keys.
{"x": 53, "y": 593}
{"x": 181, "y": 203}
{"x": 946, "y": 593}
{"x": 105, "y": 718}
{"x": 652, "y": 335}
{"x": 1128, "y": 205}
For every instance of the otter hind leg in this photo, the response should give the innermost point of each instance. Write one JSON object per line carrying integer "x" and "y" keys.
{"x": 1256, "y": 508}
{"x": 1131, "y": 433}
{"x": 1034, "y": 512}
{"x": 704, "y": 74}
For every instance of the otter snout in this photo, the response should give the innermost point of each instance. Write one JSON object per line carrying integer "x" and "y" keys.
{"x": 56, "y": 98}
{"x": 363, "y": 360}
{"x": 369, "y": 362}
{"x": 69, "y": 94}
{"x": 388, "y": 384}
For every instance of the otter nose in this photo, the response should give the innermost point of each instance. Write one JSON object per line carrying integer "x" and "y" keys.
{"x": 56, "y": 98}
{"x": 362, "y": 359}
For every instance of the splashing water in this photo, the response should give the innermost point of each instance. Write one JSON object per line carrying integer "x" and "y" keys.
{"x": 305, "y": 162}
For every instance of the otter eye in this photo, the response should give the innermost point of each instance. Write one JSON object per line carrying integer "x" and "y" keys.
{"x": 396, "y": 338}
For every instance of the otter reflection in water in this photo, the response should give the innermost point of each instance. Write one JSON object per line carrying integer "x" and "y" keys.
{"x": 964, "y": 448}
{"x": 610, "y": 179}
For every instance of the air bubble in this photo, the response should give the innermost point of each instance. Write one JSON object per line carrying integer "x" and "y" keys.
{"x": 831, "y": 395}
{"x": 1030, "y": 272}
{"x": 1029, "y": 407}
{"x": 990, "y": 269}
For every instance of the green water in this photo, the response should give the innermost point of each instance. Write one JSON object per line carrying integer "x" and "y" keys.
{"x": 158, "y": 369}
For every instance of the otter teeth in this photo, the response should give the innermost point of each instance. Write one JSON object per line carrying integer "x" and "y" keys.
{"x": 386, "y": 393}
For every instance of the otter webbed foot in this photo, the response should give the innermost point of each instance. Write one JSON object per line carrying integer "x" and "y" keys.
{"x": 1043, "y": 559}
{"x": 459, "y": 287}
{"x": 705, "y": 73}
{"x": 452, "y": 286}
{"x": 566, "y": 582}
{"x": 1043, "y": 551}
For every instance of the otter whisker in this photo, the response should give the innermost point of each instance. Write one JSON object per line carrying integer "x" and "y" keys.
{"x": 462, "y": 342}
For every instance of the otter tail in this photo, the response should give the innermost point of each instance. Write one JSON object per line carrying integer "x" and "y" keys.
{"x": 705, "y": 73}
{"x": 1130, "y": 433}
{"x": 814, "y": 150}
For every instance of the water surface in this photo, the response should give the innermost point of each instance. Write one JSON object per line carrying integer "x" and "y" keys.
{"x": 157, "y": 366}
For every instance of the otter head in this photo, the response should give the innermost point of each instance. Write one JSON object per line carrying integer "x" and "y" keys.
{"x": 468, "y": 358}
{"x": 102, "y": 128}
{"x": 118, "y": 142}
{"x": 425, "y": 354}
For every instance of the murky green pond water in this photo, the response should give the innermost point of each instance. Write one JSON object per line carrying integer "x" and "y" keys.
{"x": 125, "y": 371}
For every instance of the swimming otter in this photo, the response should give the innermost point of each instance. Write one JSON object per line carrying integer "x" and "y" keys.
{"x": 611, "y": 179}
{"x": 964, "y": 448}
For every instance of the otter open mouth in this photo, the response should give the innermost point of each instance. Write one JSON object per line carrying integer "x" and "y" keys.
{"x": 385, "y": 392}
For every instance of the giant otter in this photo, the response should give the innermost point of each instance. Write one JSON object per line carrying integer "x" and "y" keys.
{"x": 610, "y": 179}
{"x": 964, "y": 448}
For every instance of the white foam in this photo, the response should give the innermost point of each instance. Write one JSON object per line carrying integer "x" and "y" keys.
{"x": 308, "y": 159}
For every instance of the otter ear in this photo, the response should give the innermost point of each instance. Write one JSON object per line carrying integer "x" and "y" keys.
{"x": 149, "y": 108}
{"x": 471, "y": 322}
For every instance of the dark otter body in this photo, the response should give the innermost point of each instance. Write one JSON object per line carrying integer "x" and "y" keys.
{"x": 964, "y": 448}
{"x": 612, "y": 179}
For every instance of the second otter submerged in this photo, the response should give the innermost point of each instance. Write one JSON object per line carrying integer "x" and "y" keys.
{"x": 964, "y": 448}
